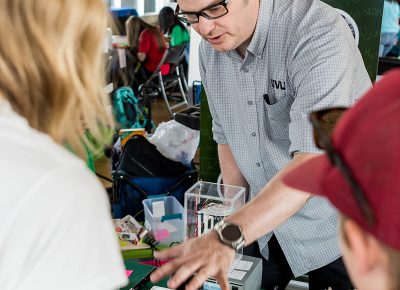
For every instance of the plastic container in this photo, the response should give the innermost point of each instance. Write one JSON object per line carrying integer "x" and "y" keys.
{"x": 208, "y": 203}
{"x": 164, "y": 217}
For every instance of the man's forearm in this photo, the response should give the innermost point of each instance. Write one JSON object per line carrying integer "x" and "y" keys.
{"x": 231, "y": 173}
{"x": 272, "y": 206}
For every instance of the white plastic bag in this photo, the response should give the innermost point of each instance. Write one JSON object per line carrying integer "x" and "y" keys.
{"x": 176, "y": 141}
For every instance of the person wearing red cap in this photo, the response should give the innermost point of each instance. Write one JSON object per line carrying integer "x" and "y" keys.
{"x": 359, "y": 174}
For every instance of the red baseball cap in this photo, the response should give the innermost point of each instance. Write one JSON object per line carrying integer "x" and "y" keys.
{"x": 368, "y": 138}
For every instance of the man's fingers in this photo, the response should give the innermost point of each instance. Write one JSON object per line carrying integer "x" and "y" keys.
{"x": 198, "y": 280}
{"x": 170, "y": 253}
{"x": 211, "y": 258}
{"x": 165, "y": 270}
{"x": 223, "y": 281}
{"x": 185, "y": 271}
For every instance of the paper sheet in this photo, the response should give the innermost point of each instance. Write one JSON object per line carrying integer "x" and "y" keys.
{"x": 236, "y": 274}
{"x": 158, "y": 208}
{"x": 244, "y": 265}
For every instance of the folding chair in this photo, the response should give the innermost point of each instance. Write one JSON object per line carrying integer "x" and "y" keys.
{"x": 174, "y": 56}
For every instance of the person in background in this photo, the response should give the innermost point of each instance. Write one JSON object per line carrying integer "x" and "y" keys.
{"x": 150, "y": 45}
{"x": 264, "y": 66}
{"x": 359, "y": 174}
{"x": 390, "y": 26}
{"x": 134, "y": 27}
{"x": 172, "y": 27}
{"x": 55, "y": 222}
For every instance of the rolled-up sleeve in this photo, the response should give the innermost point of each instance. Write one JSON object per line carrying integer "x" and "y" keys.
{"x": 322, "y": 76}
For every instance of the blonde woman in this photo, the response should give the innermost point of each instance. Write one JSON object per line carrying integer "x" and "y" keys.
{"x": 55, "y": 223}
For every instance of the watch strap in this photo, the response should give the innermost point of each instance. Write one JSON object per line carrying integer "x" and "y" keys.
{"x": 236, "y": 245}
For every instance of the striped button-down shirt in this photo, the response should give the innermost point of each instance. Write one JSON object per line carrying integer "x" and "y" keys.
{"x": 301, "y": 58}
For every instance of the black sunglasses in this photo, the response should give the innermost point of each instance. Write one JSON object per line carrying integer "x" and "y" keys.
{"x": 324, "y": 122}
{"x": 213, "y": 11}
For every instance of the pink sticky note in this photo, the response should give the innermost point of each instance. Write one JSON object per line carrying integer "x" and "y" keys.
{"x": 128, "y": 272}
{"x": 161, "y": 234}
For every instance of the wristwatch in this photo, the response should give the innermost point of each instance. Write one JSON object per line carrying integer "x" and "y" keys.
{"x": 230, "y": 234}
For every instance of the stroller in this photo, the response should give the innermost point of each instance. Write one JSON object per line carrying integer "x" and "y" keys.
{"x": 140, "y": 172}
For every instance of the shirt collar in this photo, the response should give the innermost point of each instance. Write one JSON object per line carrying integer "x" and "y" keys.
{"x": 257, "y": 44}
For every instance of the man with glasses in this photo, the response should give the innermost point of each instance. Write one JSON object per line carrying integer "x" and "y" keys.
{"x": 265, "y": 64}
{"x": 359, "y": 174}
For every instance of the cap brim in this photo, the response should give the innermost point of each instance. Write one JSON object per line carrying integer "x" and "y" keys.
{"x": 308, "y": 175}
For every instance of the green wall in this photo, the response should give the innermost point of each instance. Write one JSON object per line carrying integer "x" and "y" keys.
{"x": 368, "y": 16}
{"x": 209, "y": 165}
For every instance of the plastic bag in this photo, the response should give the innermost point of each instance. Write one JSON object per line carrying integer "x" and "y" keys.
{"x": 176, "y": 141}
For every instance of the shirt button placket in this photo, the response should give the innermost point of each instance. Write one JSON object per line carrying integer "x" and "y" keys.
{"x": 250, "y": 103}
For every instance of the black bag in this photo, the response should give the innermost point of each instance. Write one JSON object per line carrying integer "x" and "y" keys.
{"x": 142, "y": 172}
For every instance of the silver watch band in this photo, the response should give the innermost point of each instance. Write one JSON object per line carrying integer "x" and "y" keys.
{"x": 236, "y": 244}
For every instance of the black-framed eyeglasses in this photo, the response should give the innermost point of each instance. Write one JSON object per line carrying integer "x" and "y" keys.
{"x": 324, "y": 122}
{"x": 213, "y": 11}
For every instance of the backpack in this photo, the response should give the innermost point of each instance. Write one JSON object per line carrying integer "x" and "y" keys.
{"x": 128, "y": 114}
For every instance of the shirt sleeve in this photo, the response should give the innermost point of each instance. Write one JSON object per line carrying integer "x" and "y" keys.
{"x": 176, "y": 36}
{"x": 322, "y": 75}
{"x": 185, "y": 36}
{"x": 217, "y": 129}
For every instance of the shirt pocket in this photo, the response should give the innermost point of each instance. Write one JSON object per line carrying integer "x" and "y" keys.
{"x": 278, "y": 115}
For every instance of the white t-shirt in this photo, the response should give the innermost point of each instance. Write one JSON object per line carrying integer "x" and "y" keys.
{"x": 55, "y": 224}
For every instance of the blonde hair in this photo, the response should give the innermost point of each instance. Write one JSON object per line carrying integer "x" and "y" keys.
{"x": 51, "y": 68}
{"x": 134, "y": 26}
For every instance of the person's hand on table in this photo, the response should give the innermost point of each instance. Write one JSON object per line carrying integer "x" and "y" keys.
{"x": 206, "y": 256}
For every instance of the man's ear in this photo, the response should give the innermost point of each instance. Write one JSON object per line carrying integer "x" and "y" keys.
{"x": 365, "y": 249}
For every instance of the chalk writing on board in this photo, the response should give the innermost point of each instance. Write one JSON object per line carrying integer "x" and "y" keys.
{"x": 373, "y": 11}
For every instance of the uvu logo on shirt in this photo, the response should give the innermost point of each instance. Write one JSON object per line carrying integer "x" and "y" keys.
{"x": 281, "y": 85}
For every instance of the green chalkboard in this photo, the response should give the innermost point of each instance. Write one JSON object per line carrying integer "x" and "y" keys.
{"x": 367, "y": 15}
{"x": 209, "y": 164}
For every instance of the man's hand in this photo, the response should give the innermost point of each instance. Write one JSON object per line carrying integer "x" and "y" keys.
{"x": 206, "y": 256}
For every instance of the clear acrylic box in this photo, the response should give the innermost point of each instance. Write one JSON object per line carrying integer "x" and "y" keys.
{"x": 208, "y": 203}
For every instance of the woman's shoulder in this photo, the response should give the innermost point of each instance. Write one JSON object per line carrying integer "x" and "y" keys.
{"x": 178, "y": 28}
{"x": 145, "y": 31}
{"x": 148, "y": 33}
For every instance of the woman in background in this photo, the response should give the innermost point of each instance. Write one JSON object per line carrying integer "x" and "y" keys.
{"x": 171, "y": 26}
{"x": 134, "y": 27}
{"x": 174, "y": 29}
{"x": 55, "y": 223}
{"x": 150, "y": 45}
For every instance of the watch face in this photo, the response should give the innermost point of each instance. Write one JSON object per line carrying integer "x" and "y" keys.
{"x": 231, "y": 233}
